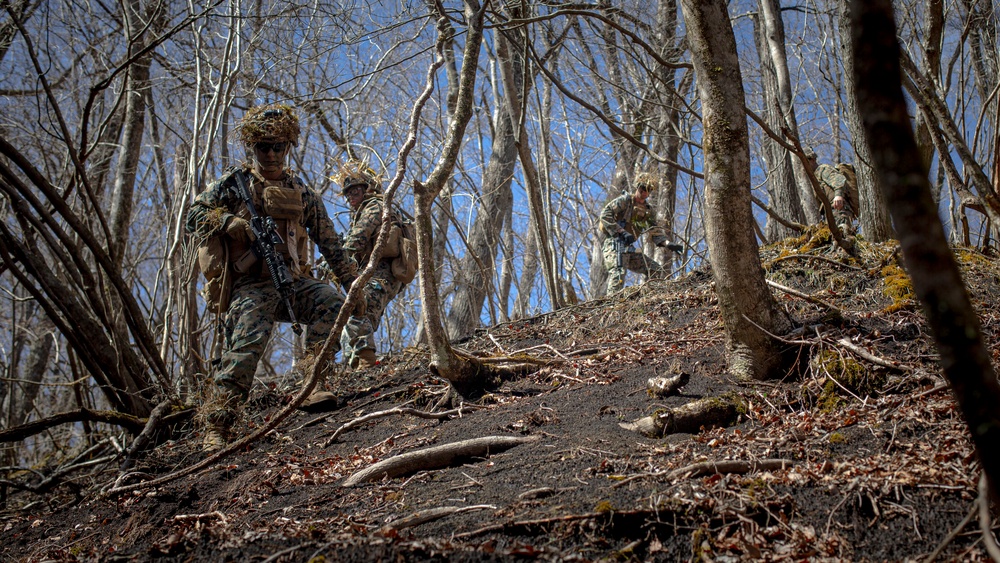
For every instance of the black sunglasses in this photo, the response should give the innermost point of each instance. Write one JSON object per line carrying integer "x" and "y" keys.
{"x": 271, "y": 147}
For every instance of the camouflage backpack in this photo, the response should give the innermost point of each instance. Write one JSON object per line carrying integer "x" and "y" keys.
{"x": 401, "y": 248}
{"x": 852, "y": 185}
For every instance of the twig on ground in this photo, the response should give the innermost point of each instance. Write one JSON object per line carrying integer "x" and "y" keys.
{"x": 805, "y": 296}
{"x": 284, "y": 552}
{"x": 497, "y": 343}
{"x": 817, "y": 257}
{"x": 390, "y": 412}
{"x": 865, "y": 354}
{"x": 423, "y": 516}
{"x": 326, "y": 416}
{"x": 541, "y": 522}
{"x": 711, "y": 467}
{"x": 829, "y": 519}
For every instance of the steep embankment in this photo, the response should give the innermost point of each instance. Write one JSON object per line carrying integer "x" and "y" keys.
{"x": 857, "y": 453}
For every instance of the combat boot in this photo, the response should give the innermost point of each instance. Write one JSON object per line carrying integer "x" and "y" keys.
{"x": 221, "y": 414}
{"x": 364, "y": 359}
{"x": 218, "y": 429}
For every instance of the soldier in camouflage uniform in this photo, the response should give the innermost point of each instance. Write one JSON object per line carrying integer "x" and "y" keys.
{"x": 300, "y": 215}
{"x": 361, "y": 186}
{"x": 841, "y": 189}
{"x": 625, "y": 219}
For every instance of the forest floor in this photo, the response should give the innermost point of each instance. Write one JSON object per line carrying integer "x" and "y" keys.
{"x": 877, "y": 461}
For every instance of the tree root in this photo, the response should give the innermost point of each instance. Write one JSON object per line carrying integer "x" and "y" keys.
{"x": 436, "y": 457}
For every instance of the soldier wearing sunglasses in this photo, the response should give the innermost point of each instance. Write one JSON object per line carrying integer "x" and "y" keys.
{"x": 238, "y": 285}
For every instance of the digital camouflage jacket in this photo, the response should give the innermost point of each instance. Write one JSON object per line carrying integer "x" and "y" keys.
{"x": 213, "y": 208}
{"x": 366, "y": 221}
{"x": 622, "y": 213}
{"x": 832, "y": 180}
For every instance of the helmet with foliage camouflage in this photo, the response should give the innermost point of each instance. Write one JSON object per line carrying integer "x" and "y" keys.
{"x": 357, "y": 172}
{"x": 270, "y": 122}
{"x": 646, "y": 180}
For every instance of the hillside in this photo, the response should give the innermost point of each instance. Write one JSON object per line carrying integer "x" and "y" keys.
{"x": 859, "y": 453}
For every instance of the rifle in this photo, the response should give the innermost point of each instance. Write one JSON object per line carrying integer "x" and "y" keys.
{"x": 621, "y": 247}
{"x": 266, "y": 236}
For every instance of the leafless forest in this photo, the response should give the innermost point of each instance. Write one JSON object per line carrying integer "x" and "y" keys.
{"x": 501, "y": 129}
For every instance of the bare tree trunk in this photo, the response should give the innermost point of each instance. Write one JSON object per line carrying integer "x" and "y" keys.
{"x": 667, "y": 141}
{"x": 932, "y": 104}
{"x": 774, "y": 38}
{"x": 529, "y": 269}
{"x": 33, "y": 373}
{"x": 517, "y": 82}
{"x": 874, "y": 213}
{"x": 137, "y": 82}
{"x": 781, "y": 181}
{"x": 934, "y": 32}
{"x": 466, "y": 375}
{"x": 474, "y": 276}
{"x": 937, "y": 280}
{"x": 983, "y": 41}
{"x": 748, "y": 309}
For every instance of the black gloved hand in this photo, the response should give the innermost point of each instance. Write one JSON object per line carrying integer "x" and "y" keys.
{"x": 675, "y": 247}
{"x": 627, "y": 238}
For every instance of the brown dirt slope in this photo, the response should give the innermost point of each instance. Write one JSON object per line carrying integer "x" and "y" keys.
{"x": 879, "y": 464}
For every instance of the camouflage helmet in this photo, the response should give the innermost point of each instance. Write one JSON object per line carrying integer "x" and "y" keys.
{"x": 357, "y": 172}
{"x": 646, "y": 180}
{"x": 270, "y": 122}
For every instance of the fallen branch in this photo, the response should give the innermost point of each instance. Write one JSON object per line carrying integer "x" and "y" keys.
{"x": 691, "y": 417}
{"x": 526, "y": 523}
{"x": 729, "y": 466}
{"x": 423, "y": 516}
{"x": 146, "y": 436}
{"x": 445, "y": 415}
{"x": 805, "y": 296}
{"x": 710, "y": 468}
{"x": 865, "y": 354}
{"x": 436, "y": 457}
{"x": 814, "y": 257}
{"x": 131, "y": 423}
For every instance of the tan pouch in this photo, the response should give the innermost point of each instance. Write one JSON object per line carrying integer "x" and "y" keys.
{"x": 391, "y": 248}
{"x": 283, "y": 203}
{"x": 404, "y": 266}
{"x": 213, "y": 261}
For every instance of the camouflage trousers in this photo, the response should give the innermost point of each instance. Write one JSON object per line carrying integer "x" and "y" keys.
{"x": 359, "y": 332}
{"x": 634, "y": 261}
{"x": 254, "y": 309}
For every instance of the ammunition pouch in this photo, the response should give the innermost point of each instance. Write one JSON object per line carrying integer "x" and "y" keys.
{"x": 404, "y": 264}
{"x": 283, "y": 203}
{"x": 213, "y": 261}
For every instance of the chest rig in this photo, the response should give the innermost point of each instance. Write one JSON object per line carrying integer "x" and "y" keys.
{"x": 283, "y": 201}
